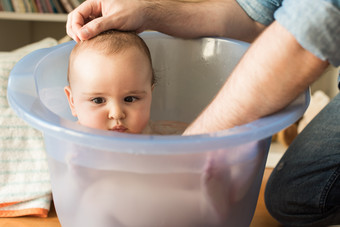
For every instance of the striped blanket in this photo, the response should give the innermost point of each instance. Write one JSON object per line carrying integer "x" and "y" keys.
{"x": 24, "y": 177}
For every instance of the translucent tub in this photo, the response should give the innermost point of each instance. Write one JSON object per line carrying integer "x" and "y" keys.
{"x": 109, "y": 179}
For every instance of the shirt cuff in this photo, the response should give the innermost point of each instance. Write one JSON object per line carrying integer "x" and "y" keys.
{"x": 315, "y": 25}
{"x": 259, "y": 10}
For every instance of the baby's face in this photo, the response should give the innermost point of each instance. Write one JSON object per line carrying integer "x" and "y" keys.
{"x": 111, "y": 92}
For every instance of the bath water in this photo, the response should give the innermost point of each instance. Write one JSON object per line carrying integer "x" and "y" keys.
{"x": 125, "y": 199}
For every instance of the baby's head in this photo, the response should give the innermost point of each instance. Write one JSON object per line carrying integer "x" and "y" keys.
{"x": 110, "y": 82}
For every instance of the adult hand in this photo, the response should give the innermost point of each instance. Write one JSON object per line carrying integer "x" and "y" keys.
{"x": 95, "y": 16}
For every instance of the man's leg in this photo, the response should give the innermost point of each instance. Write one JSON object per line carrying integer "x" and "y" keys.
{"x": 304, "y": 188}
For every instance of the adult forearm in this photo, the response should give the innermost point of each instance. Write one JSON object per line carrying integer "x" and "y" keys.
{"x": 192, "y": 19}
{"x": 273, "y": 72}
{"x": 187, "y": 19}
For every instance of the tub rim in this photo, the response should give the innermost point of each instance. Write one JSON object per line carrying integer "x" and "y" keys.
{"x": 55, "y": 126}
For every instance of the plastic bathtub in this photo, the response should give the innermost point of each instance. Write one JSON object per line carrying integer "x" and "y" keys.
{"x": 102, "y": 178}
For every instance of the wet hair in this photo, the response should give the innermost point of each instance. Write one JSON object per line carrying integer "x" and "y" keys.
{"x": 112, "y": 42}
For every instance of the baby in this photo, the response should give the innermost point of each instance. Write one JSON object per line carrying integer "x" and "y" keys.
{"x": 110, "y": 82}
{"x": 110, "y": 85}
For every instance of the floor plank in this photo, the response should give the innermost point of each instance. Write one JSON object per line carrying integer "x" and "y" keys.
{"x": 261, "y": 217}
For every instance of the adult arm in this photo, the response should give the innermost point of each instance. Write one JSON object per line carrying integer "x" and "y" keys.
{"x": 272, "y": 73}
{"x": 287, "y": 57}
{"x": 186, "y": 19}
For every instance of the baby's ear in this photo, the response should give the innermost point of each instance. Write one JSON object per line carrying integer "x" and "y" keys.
{"x": 68, "y": 92}
{"x": 152, "y": 87}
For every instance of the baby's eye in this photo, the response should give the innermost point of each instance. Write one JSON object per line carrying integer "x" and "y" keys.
{"x": 98, "y": 100}
{"x": 130, "y": 99}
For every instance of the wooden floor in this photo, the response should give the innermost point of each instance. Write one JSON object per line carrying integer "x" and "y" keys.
{"x": 261, "y": 217}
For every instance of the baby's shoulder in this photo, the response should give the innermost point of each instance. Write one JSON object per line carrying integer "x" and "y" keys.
{"x": 167, "y": 127}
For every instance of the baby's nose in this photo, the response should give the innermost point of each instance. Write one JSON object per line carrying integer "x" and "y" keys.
{"x": 116, "y": 113}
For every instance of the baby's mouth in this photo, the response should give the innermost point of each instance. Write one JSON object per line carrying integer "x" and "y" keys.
{"x": 118, "y": 128}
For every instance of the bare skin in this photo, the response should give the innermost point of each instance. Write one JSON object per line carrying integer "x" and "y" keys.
{"x": 272, "y": 73}
{"x": 243, "y": 98}
{"x": 187, "y": 19}
{"x": 261, "y": 84}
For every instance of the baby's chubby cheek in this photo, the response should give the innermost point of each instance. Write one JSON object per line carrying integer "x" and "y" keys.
{"x": 139, "y": 126}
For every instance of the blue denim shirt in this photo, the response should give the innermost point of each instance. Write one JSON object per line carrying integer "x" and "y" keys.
{"x": 314, "y": 23}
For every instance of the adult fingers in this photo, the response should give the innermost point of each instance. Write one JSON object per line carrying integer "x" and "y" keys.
{"x": 70, "y": 32}
{"x": 93, "y": 28}
{"x": 80, "y": 16}
{"x": 121, "y": 19}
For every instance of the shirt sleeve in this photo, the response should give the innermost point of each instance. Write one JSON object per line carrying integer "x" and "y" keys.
{"x": 315, "y": 24}
{"x": 261, "y": 11}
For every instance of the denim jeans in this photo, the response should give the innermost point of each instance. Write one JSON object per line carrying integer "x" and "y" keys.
{"x": 304, "y": 188}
